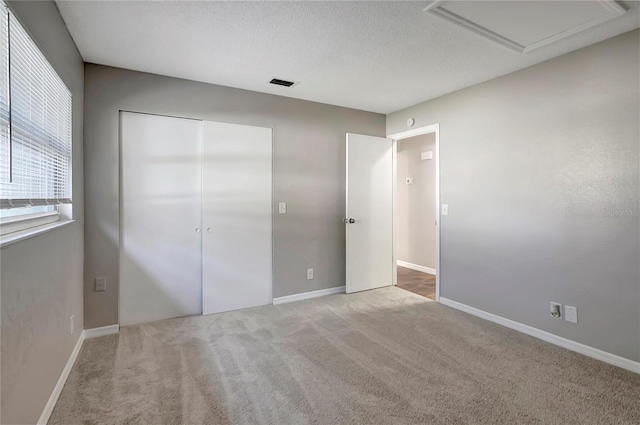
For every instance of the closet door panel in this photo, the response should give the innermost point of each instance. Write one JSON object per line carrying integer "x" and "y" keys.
{"x": 160, "y": 252}
{"x": 237, "y": 205}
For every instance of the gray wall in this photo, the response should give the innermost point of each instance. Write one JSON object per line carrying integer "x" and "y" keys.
{"x": 42, "y": 276}
{"x": 540, "y": 171}
{"x": 309, "y": 173}
{"x": 416, "y": 203}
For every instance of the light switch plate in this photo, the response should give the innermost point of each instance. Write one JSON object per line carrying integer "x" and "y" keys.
{"x": 282, "y": 208}
{"x": 101, "y": 284}
{"x": 426, "y": 155}
{"x": 445, "y": 209}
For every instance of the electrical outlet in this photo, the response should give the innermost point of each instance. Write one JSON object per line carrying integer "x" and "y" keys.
{"x": 571, "y": 314}
{"x": 71, "y": 326}
{"x": 309, "y": 274}
{"x": 556, "y": 310}
{"x": 101, "y": 284}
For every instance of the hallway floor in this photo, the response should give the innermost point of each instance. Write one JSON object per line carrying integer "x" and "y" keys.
{"x": 417, "y": 282}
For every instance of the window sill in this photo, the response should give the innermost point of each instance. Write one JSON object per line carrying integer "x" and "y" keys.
{"x": 14, "y": 237}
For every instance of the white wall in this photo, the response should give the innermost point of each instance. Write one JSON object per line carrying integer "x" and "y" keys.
{"x": 416, "y": 203}
{"x": 41, "y": 277}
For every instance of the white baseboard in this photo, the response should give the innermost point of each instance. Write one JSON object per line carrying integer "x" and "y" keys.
{"x": 85, "y": 334}
{"x": 53, "y": 399}
{"x": 548, "y": 337}
{"x": 102, "y": 331}
{"x": 309, "y": 295}
{"x": 416, "y": 267}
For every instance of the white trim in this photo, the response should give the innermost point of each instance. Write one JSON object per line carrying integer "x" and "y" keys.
{"x": 434, "y": 128}
{"x": 55, "y": 394}
{"x": 309, "y": 295}
{"x": 438, "y": 210}
{"x": 613, "y": 7}
{"x": 394, "y": 211}
{"x": 417, "y": 267}
{"x": 548, "y": 337}
{"x": 14, "y": 237}
{"x": 19, "y": 223}
{"x": 101, "y": 331}
{"x": 120, "y": 203}
{"x": 53, "y": 399}
{"x": 433, "y": 4}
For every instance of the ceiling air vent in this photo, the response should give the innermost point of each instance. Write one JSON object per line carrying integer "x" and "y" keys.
{"x": 285, "y": 83}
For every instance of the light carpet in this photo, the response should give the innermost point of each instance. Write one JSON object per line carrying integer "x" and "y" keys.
{"x": 379, "y": 357}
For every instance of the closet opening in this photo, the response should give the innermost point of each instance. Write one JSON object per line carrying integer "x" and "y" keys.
{"x": 195, "y": 211}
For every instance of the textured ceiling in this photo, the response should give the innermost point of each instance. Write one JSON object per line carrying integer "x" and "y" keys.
{"x": 375, "y": 56}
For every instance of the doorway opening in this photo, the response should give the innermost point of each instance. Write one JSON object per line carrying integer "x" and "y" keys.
{"x": 416, "y": 218}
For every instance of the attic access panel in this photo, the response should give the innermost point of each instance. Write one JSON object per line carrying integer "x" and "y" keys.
{"x": 526, "y": 25}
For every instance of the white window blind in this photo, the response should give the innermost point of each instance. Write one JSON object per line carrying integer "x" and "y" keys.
{"x": 35, "y": 148}
{"x": 4, "y": 95}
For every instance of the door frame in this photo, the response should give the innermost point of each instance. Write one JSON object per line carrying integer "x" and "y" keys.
{"x": 434, "y": 128}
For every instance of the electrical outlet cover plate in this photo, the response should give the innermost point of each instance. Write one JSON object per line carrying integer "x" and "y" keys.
{"x": 571, "y": 314}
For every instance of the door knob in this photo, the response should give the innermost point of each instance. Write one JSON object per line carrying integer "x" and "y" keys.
{"x": 209, "y": 229}
{"x": 197, "y": 230}
{"x": 348, "y": 220}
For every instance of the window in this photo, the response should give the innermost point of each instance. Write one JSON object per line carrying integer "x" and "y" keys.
{"x": 35, "y": 132}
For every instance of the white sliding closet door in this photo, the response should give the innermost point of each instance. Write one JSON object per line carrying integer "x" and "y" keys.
{"x": 160, "y": 252}
{"x": 236, "y": 196}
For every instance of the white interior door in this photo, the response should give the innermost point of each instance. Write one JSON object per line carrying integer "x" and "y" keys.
{"x": 160, "y": 251}
{"x": 369, "y": 213}
{"x": 237, "y": 206}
